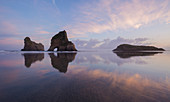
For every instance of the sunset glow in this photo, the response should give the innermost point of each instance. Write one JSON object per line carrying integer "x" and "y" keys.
{"x": 84, "y": 20}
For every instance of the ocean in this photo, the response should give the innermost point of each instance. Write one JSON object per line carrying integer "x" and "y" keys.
{"x": 84, "y": 76}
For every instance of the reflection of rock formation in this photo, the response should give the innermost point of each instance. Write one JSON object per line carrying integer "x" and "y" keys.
{"x": 32, "y": 58}
{"x": 111, "y": 58}
{"x": 61, "y": 61}
{"x": 132, "y": 54}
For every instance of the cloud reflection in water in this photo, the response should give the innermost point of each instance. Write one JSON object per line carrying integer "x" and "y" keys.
{"x": 91, "y": 76}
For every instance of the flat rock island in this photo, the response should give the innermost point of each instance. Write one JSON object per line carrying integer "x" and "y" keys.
{"x": 136, "y": 48}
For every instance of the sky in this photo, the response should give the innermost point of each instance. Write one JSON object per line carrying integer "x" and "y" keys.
{"x": 90, "y": 24}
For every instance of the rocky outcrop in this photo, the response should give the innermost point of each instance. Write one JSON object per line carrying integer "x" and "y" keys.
{"x": 61, "y": 42}
{"x": 31, "y": 58}
{"x": 32, "y": 46}
{"x": 62, "y": 60}
{"x": 135, "y": 48}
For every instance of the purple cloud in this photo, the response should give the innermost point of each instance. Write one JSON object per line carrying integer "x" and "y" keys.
{"x": 100, "y": 16}
{"x": 108, "y": 43}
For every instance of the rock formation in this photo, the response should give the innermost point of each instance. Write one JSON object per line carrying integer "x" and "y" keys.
{"x": 32, "y": 58}
{"x": 32, "y": 46}
{"x": 62, "y": 60}
{"x": 60, "y": 41}
{"x": 135, "y": 48}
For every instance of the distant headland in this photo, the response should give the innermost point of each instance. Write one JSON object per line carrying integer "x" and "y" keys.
{"x": 135, "y": 48}
{"x": 59, "y": 41}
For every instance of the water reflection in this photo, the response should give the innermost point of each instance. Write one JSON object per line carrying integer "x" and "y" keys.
{"x": 106, "y": 58}
{"x": 133, "y": 54}
{"x": 122, "y": 86}
{"x": 90, "y": 78}
{"x": 32, "y": 58}
{"x": 62, "y": 60}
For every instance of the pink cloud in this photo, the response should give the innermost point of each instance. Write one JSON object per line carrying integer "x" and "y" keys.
{"x": 98, "y": 17}
{"x": 11, "y": 41}
{"x": 42, "y": 32}
{"x": 8, "y": 28}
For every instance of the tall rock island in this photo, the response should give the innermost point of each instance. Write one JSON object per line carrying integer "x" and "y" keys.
{"x": 32, "y": 46}
{"x": 61, "y": 42}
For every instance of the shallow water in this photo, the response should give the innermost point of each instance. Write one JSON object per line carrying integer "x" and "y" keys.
{"x": 94, "y": 76}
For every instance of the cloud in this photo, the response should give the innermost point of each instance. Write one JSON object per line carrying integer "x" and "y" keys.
{"x": 108, "y": 43}
{"x": 48, "y": 7}
{"x": 110, "y": 15}
{"x": 53, "y": 1}
{"x": 11, "y": 44}
{"x": 42, "y": 32}
{"x": 7, "y": 28}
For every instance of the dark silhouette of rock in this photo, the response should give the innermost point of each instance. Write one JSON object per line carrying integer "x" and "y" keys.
{"x": 32, "y": 46}
{"x": 135, "y": 48}
{"x": 62, "y": 60}
{"x": 32, "y": 58}
{"x": 133, "y": 54}
{"x": 60, "y": 41}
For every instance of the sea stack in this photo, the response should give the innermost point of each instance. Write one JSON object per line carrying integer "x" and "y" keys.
{"x": 32, "y": 46}
{"x": 61, "y": 42}
{"x": 135, "y": 48}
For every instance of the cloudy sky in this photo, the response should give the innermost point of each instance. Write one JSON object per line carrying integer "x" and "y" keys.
{"x": 89, "y": 23}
